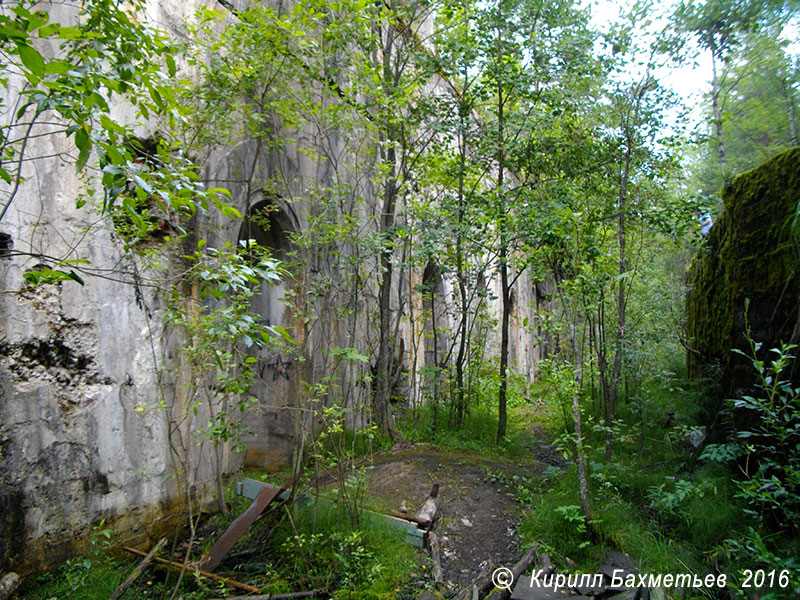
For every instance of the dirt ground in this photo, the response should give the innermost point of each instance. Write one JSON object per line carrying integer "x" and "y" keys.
{"x": 478, "y": 519}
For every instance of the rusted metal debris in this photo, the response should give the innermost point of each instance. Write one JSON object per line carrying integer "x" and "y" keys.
{"x": 240, "y": 526}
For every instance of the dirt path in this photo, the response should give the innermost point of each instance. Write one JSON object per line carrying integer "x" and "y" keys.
{"x": 479, "y": 516}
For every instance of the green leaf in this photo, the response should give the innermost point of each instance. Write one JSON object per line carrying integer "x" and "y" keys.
{"x": 57, "y": 67}
{"x": 109, "y": 124}
{"x": 32, "y": 60}
{"x": 49, "y": 30}
{"x": 11, "y": 32}
{"x": 74, "y": 276}
{"x": 171, "y": 65}
{"x": 70, "y": 33}
{"x": 230, "y": 211}
{"x": 283, "y": 333}
{"x": 84, "y": 145}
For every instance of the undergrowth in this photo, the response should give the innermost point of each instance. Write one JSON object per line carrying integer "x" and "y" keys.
{"x": 656, "y": 500}
{"x": 297, "y": 549}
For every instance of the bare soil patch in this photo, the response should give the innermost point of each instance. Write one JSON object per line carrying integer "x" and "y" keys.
{"x": 478, "y": 518}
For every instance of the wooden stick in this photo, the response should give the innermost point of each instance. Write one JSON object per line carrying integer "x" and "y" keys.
{"x": 433, "y": 542}
{"x": 180, "y": 566}
{"x": 8, "y": 584}
{"x": 480, "y": 587}
{"x": 519, "y": 569}
{"x": 138, "y": 570}
{"x": 410, "y": 518}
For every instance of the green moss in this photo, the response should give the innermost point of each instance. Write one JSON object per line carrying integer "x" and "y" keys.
{"x": 749, "y": 254}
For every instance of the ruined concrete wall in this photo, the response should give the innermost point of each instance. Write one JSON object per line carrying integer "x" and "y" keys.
{"x": 749, "y": 253}
{"x": 82, "y": 437}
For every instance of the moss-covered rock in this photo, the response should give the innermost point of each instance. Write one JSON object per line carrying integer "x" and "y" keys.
{"x": 749, "y": 253}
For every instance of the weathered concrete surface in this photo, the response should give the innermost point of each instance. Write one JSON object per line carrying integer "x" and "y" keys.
{"x": 83, "y": 436}
{"x": 749, "y": 254}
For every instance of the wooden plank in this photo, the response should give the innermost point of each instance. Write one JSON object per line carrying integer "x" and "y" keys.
{"x": 138, "y": 570}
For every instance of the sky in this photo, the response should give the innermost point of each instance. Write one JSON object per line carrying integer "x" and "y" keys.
{"x": 689, "y": 81}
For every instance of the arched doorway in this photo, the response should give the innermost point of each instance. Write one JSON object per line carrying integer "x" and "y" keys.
{"x": 269, "y": 442}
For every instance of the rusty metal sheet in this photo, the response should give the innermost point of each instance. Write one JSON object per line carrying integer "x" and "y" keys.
{"x": 239, "y": 527}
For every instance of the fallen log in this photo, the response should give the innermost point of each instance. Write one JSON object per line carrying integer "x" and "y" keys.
{"x": 410, "y": 518}
{"x": 519, "y": 568}
{"x": 9, "y": 583}
{"x": 181, "y": 566}
{"x": 137, "y": 571}
{"x": 433, "y": 543}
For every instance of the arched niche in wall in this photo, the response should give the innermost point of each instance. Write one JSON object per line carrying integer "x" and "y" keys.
{"x": 514, "y": 326}
{"x": 269, "y": 442}
{"x": 437, "y": 334}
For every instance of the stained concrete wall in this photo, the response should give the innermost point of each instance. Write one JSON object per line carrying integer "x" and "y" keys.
{"x": 82, "y": 437}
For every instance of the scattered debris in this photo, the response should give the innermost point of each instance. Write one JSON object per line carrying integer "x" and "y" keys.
{"x": 523, "y": 565}
{"x": 290, "y": 596}
{"x": 433, "y": 545}
{"x": 480, "y": 587}
{"x": 613, "y": 561}
{"x": 250, "y": 488}
{"x": 181, "y": 566}
{"x": 240, "y": 526}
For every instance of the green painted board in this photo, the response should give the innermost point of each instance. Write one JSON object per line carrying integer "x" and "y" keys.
{"x": 249, "y": 488}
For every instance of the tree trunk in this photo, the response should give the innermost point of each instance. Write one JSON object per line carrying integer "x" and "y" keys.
{"x": 717, "y": 110}
{"x": 791, "y": 114}
{"x": 461, "y": 278}
{"x": 622, "y": 207}
{"x": 502, "y": 416}
{"x": 580, "y": 454}
{"x": 383, "y": 391}
{"x": 502, "y": 400}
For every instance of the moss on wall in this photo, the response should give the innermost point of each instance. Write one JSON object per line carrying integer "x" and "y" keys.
{"x": 749, "y": 253}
